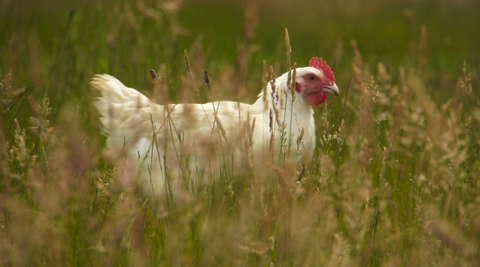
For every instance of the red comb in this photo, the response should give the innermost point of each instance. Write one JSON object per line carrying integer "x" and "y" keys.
{"x": 322, "y": 65}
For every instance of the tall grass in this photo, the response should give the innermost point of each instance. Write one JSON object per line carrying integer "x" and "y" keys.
{"x": 395, "y": 176}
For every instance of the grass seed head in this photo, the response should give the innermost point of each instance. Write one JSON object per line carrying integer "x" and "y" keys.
{"x": 153, "y": 74}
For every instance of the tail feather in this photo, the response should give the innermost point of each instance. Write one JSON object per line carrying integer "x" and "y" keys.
{"x": 124, "y": 112}
{"x": 114, "y": 92}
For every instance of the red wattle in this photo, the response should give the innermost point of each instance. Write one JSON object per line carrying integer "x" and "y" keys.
{"x": 316, "y": 99}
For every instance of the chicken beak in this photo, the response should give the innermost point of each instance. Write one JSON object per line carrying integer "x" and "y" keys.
{"x": 333, "y": 89}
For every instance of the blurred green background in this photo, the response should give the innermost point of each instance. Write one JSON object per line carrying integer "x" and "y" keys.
{"x": 43, "y": 40}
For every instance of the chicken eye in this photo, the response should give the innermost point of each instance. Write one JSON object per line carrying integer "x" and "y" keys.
{"x": 311, "y": 77}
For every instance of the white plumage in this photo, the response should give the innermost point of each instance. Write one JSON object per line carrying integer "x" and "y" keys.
{"x": 173, "y": 144}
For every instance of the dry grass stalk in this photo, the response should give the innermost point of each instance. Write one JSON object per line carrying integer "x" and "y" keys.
{"x": 357, "y": 63}
{"x": 207, "y": 79}
{"x": 5, "y": 85}
{"x": 289, "y": 50}
{"x": 272, "y": 82}
{"x": 292, "y": 84}
{"x": 464, "y": 85}
{"x": 422, "y": 47}
{"x": 220, "y": 126}
{"x": 189, "y": 70}
{"x": 153, "y": 74}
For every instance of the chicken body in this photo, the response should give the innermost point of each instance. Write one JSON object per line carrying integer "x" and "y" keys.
{"x": 169, "y": 144}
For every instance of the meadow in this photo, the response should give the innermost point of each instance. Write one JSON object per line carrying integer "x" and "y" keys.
{"x": 395, "y": 176}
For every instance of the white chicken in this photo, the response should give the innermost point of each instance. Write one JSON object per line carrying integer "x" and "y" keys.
{"x": 172, "y": 143}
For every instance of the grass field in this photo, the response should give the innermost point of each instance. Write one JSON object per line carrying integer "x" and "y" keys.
{"x": 395, "y": 176}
